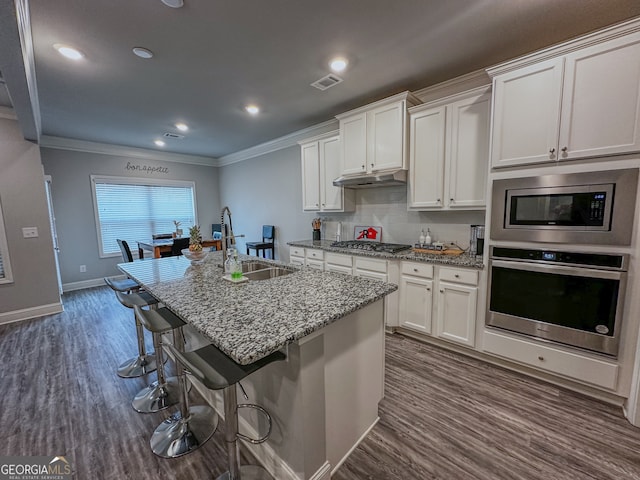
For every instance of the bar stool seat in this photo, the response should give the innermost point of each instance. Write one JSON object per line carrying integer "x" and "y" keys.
{"x": 217, "y": 371}
{"x": 164, "y": 392}
{"x": 122, "y": 284}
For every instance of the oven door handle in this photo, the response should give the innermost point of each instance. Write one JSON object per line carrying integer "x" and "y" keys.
{"x": 559, "y": 269}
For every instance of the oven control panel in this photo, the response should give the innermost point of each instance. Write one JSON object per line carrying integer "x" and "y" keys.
{"x": 560, "y": 257}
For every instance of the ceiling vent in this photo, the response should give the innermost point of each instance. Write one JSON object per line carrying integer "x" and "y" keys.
{"x": 327, "y": 81}
{"x": 175, "y": 136}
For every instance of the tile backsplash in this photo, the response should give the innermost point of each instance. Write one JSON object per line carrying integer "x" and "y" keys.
{"x": 387, "y": 207}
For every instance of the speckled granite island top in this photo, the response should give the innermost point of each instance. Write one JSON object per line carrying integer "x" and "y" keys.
{"x": 463, "y": 260}
{"x": 251, "y": 320}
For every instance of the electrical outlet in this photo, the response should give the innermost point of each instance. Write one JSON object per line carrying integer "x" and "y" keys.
{"x": 29, "y": 232}
{"x": 83, "y": 268}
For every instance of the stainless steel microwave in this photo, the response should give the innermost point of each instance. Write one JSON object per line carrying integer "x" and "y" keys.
{"x": 586, "y": 208}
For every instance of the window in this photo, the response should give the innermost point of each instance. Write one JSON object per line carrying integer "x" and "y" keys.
{"x": 5, "y": 265}
{"x": 133, "y": 209}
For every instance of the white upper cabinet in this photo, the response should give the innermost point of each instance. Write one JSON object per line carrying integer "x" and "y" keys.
{"x": 449, "y": 152}
{"x": 374, "y": 136}
{"x": 321, "y": 164}
{"x": 582, "y": 102}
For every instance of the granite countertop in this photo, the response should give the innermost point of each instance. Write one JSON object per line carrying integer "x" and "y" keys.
{"x": 249, "y": 321}
{"x": 463, "y": 260}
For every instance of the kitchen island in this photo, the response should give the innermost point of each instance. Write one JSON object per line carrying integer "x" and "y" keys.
{"x": 324, "y": 397}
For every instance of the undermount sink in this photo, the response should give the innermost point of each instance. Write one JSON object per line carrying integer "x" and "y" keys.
{"x": 267, "y": 273}
{"x": 254, "y": 265}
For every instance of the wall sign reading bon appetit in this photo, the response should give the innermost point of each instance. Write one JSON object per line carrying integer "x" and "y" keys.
{"x": 146, "y": 168}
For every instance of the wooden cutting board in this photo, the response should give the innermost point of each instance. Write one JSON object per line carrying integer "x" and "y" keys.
{"x": 449, "y": 251}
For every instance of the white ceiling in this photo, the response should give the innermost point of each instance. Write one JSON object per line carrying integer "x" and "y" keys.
{"x": 214, "y": 57}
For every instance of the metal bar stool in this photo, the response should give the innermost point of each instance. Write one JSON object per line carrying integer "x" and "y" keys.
{"x": 216, "y": 371}
{"x": 164, "y": 392}
{"x": 143, "y": 363}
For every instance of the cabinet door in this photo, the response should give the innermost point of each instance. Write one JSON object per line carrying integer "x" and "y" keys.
{"x": 526, "y": 114}
{"x": 468, "y": 156}
{"x": 416, "y": 300}
{"x": 330, "y": 169}
{"x": 310, "y": 176}
{"x": 386, "y": 137}
{"x": 353, "y": 135}
{"x": 457, "y": 313}
{"x": 426, "y": 153}
{"x": 601, "y": 100}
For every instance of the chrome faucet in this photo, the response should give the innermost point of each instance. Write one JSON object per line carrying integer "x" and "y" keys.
{"x": 230, "y": 237}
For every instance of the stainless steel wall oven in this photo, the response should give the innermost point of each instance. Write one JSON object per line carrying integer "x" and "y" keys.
{"x": 567, "y": 297}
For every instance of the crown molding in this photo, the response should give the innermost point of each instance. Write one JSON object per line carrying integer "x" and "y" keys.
{"x": 463, "y": 83}
{"x": 62, "y": 143}
{"x": 593, "y": 38}
{"x": 278, "y": 143}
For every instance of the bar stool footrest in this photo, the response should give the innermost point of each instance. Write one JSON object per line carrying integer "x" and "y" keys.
{"x": 256, "y": 441}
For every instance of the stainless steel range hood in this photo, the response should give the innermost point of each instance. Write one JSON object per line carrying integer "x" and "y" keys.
{"x": 370, "y": 180}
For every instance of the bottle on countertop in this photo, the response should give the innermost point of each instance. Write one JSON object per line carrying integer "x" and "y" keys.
{"x": 427, "y": 238}
{"x": 422, "y": 238}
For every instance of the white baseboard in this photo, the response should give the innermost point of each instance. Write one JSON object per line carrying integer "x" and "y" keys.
{"x": 355, "y": 445}
{"x": 94, "y": 282}
{"x": 323, "y": 473}
{"x": 32, "y": 312}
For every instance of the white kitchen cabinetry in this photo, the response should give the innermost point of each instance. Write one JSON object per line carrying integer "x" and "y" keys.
{"x": 373, "y": 137}
{"x": 296, "y": 255}
{"x": 321, "y": 165}
{"x": 314, "y": 258}
{"x": 584, "y": 102}
{"x": 449, "y": 152}
{"x": 416, "y": 296}
{"x": 457, "y": 305}
{"x": 337, "y": 262}
{"x": 585, "y": 368}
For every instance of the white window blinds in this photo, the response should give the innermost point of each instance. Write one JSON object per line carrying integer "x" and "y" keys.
{"x": 135, "y": 209}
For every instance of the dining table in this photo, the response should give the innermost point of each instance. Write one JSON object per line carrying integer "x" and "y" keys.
{"x": 161, "y": 245}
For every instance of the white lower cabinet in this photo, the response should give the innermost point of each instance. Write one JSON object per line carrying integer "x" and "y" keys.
{"x": 296, "y": 255}
{"x": 584, "y": 368}
{"x": 314, "y": 258}
{"x": 336, "y": 262}
{"x": 416, "y": 297}
{"x": 454, "y": 307}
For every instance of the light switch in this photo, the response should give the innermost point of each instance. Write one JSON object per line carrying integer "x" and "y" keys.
{"x": 29, "y": 232}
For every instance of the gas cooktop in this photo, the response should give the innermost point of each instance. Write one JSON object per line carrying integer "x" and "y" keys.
{"x": 371, "y": 246}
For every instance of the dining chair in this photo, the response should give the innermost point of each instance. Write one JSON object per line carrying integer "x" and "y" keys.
{"x": 268, "y": 235}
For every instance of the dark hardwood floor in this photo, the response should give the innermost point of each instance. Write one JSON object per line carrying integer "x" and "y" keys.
{"x": 445, "y": 416}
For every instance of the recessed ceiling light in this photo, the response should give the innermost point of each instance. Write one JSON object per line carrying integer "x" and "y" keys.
{"x": 173, "y": 3}
{"x": 252, "y": 109}
{"x": 143, "y": 52}
{"x": 159, "y": 143}
{"x": 182, "y": 127}
{"x": 69, "y": 52}
{"x": 338, "y": 64}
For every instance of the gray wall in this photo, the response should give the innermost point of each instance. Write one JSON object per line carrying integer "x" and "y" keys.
{"x": 24, "y": 204}
{"x": 73, "y": 204}
{"x": 268, "y": 190}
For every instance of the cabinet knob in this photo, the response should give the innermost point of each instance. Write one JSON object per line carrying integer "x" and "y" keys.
{"x": 541, "y": 358}
{"x": 372, "y": 165}
{"x": 552, "y": 151}
{"x": 438, "y": 200}
{"x": 457, "y": 275}
{"x": 415, "y": 269}
{"x": 363, "y": 167}
{"x": 452, "y": 200}
{"x": 324, "y": 204}
{"x": 441, "y": 291}
{"x": 564, "y": 149}
{"x": 428, "y": 289}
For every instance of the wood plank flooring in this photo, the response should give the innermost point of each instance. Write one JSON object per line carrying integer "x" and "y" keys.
{"x": 445, "y": 416}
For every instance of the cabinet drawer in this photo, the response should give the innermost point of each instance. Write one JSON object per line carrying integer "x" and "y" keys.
{"x": 371, "y": 264}
{"x": 579, "y": 367}
{"x": 315, "y": 254}
{"x": 458, "y": 275}
{"x": 417, "y": 269}
{"x": 338, "y": 259}
{"x": 296, "y": 252}
{"x": 296, "y": 260}
{"x": 316, "y": 264}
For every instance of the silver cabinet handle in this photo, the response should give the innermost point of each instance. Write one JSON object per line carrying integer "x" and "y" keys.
{"x": 552, "y": 151}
